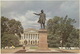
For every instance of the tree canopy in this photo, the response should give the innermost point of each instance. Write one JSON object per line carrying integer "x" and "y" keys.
{"x": 10, "y": 27}
{"x": 62, "y": 29}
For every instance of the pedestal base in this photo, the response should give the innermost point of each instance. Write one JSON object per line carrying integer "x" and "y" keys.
{"x": 43, "y": 45}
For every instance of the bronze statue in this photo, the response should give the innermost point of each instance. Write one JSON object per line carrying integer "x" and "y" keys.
{"x": 42, "y": 19}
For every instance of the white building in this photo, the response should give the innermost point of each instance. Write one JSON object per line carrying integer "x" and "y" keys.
{"x": 31, "y": 36}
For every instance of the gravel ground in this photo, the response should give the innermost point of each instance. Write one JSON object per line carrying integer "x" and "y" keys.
{"x": 20, "y": 50}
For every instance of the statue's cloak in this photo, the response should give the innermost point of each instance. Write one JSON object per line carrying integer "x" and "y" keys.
{"x": 42, "y": 18}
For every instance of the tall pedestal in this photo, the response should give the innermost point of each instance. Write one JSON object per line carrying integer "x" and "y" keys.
{"x": 43, "y": 45}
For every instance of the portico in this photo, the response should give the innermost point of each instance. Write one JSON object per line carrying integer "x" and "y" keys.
{"x": 31, "y": 36}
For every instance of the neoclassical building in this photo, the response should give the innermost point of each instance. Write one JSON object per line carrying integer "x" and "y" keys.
{"x": 30, "y": 36}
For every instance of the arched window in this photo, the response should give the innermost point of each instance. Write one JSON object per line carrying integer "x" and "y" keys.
{"x": 25, "y": 42}
{"x": 35, "y": 41}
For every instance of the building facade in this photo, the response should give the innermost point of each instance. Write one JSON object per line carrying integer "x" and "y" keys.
{"x": 30, "y": 37}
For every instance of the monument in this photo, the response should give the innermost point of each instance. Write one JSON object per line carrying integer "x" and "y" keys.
{"x": 43, "y": 45}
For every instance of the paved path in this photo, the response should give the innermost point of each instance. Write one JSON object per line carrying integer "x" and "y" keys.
{"x": 41, "y": 51}
{"x": 36, "y": 51}
{"x": 10, "y": 50}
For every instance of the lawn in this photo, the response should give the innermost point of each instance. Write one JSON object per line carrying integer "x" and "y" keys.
{"x": 33, "y": 47}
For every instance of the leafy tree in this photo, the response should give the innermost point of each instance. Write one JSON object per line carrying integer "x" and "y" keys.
{"x": 4, "y": 27}
{"x": 79, "y": 38}
{"x": 73, "y": 38}
{"x": 10, "y": 27}
{"x": 9, "y": 40}
{"x": 60, "y": 28}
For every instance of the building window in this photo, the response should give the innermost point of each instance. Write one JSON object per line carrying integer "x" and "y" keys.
{"x": 25, "y": 42}
{"x": 31, "y": 42}
{"x": 35, "y": 41}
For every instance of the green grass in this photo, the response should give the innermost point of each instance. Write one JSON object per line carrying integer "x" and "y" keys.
{"x": 33, "y": 47}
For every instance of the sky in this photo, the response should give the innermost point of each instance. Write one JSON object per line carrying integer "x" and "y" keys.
{"x": 23, "y": 11}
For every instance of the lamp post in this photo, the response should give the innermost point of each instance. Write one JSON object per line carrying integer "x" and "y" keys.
{"x": 61, "y": 43}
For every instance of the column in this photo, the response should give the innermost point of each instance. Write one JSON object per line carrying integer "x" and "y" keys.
{"x": 37, "y": 37}
{"x": 32, "y": 36}
{"x": 29, "y": 36}
{"x": 23, "y": 37}
{"x": 30, "y": 39}
{"x": 26, "y": 36}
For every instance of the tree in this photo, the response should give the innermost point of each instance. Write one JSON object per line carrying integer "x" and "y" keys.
{"x": 8, "y": 30}
{"x": 11, "y": 26}
{"x": 54, "y": 36}
{"x": 60, "y": 28}
{"x": 4, "y": 27}
{"x": 73, "y": 38}
{"x": 9, "y": 40}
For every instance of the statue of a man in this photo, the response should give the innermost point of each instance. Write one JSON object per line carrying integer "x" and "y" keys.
{"x": 42, "y": 19}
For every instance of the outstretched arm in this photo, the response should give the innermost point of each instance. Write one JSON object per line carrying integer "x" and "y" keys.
{"x": 36, "y": 14}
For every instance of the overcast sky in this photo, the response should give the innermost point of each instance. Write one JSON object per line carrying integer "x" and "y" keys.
{"x": 23, "y": 11}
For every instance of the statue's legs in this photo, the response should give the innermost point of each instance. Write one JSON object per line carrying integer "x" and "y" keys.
{"x": 41, "y": 25}
{"x": 44, "y": 25}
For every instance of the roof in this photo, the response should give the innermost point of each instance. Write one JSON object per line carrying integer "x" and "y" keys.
{"x": 30, "y": 30}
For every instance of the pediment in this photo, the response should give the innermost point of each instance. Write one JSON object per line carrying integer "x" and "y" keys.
{"x": 31, "y": 31}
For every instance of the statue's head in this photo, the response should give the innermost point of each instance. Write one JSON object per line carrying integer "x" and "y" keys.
{"x": 42, "y": 11}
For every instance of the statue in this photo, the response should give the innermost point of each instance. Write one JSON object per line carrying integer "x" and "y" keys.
{"x": 42, "y": 19}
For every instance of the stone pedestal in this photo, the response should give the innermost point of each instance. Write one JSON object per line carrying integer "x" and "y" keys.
{"x": 43, "y": 45}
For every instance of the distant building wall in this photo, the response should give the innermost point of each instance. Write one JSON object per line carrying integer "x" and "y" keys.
{"x": 31, "y": 36}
